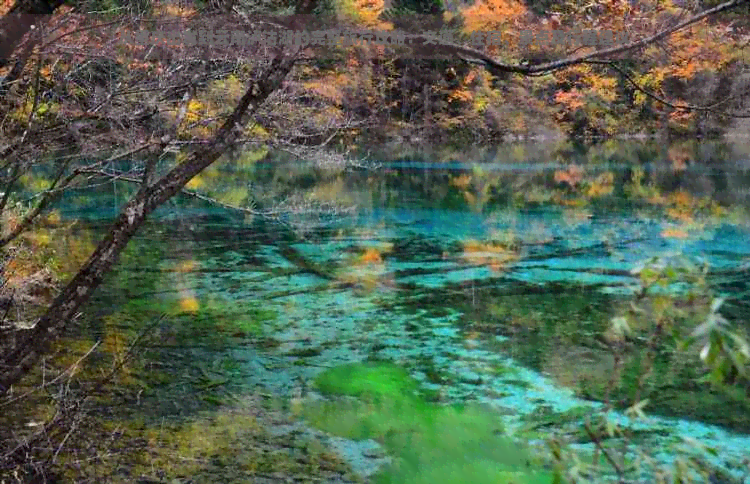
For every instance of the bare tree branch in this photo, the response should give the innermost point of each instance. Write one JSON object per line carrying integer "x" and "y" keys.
{"x": 47, "y": 197}
{"x": 679, "y": 107}
{"x": 494, "y": 66}
{"x": 30, "y": 346}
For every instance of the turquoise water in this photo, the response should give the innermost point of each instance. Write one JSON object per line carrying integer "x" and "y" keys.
{"x": 407, "y": 270}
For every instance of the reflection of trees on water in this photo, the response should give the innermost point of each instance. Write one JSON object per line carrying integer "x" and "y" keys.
{"x": 295, "y": 201}
{"x": 713, "y": 170}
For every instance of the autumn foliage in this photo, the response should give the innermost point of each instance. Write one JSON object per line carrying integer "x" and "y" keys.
{"x": 646, "y": 90}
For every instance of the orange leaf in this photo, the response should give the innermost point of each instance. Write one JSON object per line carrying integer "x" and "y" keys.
{"x": 674, "y": 233}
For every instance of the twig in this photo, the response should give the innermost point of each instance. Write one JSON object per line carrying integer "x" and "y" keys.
{"x": 679, "y": 107}
{"x": 47, "y": 197}
{"x": 598, "y": 443}
{"x": 69, "y": 370}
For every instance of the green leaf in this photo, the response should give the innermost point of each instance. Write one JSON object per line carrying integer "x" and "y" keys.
{"x": 742, "y": 344}
{"x": 620, "y": 326}
{"x": 637, "y": 409}
{"x": 648, "y": 275}
{"x": 737, "y": 361}
{"x": 611, "y": 427}
{"x": 716, "y": 304}
{"x": 717, "y": 375}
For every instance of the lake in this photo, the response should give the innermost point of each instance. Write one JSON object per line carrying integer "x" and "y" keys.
{"x": 483, "y": 281}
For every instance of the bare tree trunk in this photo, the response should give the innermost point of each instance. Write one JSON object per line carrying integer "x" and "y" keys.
{"x": 34, "y": 343}
{"x": 19, "y": 20}
{"x": 14, "y": 26}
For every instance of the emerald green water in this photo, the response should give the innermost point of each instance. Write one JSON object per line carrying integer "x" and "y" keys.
{"x": 474, "y": 290}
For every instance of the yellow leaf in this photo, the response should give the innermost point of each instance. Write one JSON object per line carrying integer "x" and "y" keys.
{"x": 186, "y": 266}
{"x": 371, "y": 256}
{"x": 195, "y": 182}
{"x": 189, "y": 304}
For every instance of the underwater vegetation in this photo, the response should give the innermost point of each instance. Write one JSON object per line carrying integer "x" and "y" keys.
{"x": 430, "y": 443}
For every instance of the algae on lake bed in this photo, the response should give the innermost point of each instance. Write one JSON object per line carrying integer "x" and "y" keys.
{"x": 430, "y": 443}
{"x": 237, "y": 443}
{"x": 188, "y": 321}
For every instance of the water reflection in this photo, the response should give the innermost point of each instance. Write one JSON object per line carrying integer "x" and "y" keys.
{"x": 488, "y": 280}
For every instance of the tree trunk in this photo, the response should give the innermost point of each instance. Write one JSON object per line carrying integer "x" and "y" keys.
{"x": 15, "y": 24}
{"x": 34, "y": 343}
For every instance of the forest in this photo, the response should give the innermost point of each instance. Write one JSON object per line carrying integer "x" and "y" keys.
{"x": 512, "y": 247}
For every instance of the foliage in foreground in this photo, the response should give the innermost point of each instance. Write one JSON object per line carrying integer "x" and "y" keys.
{"x": 664, "y": 327}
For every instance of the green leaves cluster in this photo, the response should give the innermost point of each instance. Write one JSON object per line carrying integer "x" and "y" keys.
{"x": 723, "y": 349}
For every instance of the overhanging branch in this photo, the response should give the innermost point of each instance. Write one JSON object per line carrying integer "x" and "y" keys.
{"x": 679, "y": 107}
{"x": 494, "y": 66}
